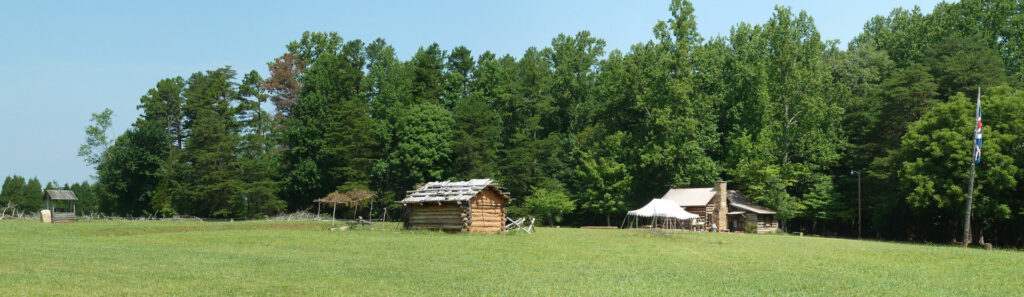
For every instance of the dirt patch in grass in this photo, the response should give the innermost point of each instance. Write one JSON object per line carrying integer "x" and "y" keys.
{"x": 286, "y": 227}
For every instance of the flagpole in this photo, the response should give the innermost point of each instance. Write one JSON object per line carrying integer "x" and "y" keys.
{"x": 970, "y": 186}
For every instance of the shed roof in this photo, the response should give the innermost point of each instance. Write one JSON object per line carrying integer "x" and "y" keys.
{"x": 737, "y": 200}
{"x": 690, "y": 196}
{"x": 449, "y": 191}
{"x": 61, "y": 195}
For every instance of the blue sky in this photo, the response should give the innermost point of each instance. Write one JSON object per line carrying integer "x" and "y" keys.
{"x": 60, "y": 61}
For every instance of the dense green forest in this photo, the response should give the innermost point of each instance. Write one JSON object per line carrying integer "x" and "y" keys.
{"x": 579, "y": 134}
{"x": 22, "y": 196}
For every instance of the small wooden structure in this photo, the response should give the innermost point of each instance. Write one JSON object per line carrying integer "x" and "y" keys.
{"x": 61, "y": 204}
{"x": 476, "y": 205}
{"x": 350, "y": 198}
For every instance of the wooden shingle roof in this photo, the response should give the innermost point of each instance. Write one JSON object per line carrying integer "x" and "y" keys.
{"x": 737, "y": 201}
{"x": 449, "y": 191}
{"x": 61, "y": 195}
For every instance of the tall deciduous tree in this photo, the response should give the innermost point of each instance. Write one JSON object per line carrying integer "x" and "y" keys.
{"x": 129, "y": 174}
{"x": 935, "y": 154}
{"x": 96, "y": 140}
{"x": 607, "y": 185}
{"x": 785, "y": 129}
{"x": 424, "y": 146}
{"x": 575, "y": 60}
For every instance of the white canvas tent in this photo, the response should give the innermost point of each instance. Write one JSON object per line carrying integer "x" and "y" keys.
{"x": 663, "y": 211}
{"x": 662, "y": 208}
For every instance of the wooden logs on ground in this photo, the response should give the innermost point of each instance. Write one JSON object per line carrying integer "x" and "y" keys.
{"x": 439, "y": 226}
{"x": 439, "y": 216}
{"x": 429, "y": 222}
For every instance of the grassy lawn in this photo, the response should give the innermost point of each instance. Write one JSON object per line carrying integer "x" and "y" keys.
{"x": 303, "y": 258}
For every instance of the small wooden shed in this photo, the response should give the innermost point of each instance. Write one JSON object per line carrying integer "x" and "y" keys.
{"x": 61, "y": 204}
{"x": 476, "y": 205}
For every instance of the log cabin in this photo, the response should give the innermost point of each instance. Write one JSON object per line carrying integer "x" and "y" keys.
{"x": 723, "y": 208}
{"x": 476, "y": 205}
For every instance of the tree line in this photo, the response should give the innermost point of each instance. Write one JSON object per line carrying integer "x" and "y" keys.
{"x": 579, "y": 134}
{"x": 21, "y": 196}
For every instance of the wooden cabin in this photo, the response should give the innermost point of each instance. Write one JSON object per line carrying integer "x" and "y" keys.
{"x": 476, "y": 205}
{"x": 743, "y": 212}
{"x": 61, "y": 204}
{"x": 723, "y": 208}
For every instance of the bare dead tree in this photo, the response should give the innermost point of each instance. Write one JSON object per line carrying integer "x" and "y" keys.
{"x": 4, "y": 212}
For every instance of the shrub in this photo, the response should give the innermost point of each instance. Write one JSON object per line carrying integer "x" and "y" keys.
{"x": 548, "y": 204}
{"x": 751, "y": 227}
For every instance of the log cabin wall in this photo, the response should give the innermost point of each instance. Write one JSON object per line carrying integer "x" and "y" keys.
{"x": 697, "y": 210}
{"x": 709, "y": 211}
{"x": 487, "y": 212}
{"x": 767, "y": 223}
{"x": 703, "y": 212}
{"x": 450, "y": 217}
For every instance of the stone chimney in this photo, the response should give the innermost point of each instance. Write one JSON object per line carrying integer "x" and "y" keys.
{"x": 721, "y": 213}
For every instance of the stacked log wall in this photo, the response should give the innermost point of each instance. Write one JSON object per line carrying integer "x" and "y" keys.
{"x": 487, "y": 212}
{"x": 447, "y": 216}
{"x": 767, "y": 223}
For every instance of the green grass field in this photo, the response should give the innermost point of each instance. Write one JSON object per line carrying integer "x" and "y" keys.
{"x": 103, "y": 258}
